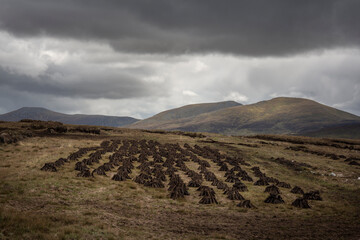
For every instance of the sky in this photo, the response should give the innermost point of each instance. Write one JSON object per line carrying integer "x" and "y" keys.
{"x": 137, "y": 58}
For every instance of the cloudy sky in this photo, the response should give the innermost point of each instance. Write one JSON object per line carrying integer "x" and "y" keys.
{"x": 138, "y": 57}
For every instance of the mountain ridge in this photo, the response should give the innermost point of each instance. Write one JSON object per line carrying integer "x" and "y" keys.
{"x": 39, "y": 113}
{"x": 281, "y": 115}
{"x": 184, "y": 112}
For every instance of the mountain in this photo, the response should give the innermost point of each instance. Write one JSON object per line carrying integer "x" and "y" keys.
{"x": 276, "y": 116}
{"x": 184, "y": 113}
{"x": 336, "y": 131}
{"x": 44, "y": 114}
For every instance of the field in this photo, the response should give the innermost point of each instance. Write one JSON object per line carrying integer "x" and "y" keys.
{"x": 71, "y": 182}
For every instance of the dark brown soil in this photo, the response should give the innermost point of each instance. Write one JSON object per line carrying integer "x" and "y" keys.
{"x": 313, "y": 195}
{"x": 208, "y": 200}
{"x": 241, "y": 187}
{"x": 355, "y": 163}
{"x": 154, "y": 183}
{"x": 194, "y": 183}
{"x": 206, "y": 191}
{"x": 60, "y": 162}
{"x": 297, "y": 190}
{"x": 99, "y": 171}
{"x": 291, "y": 164}
{"x": 118, "y": 177}
{"x": 49, "y": 167}
{"x": 80, "y": 166}
{"x": 274, "y": 199}
{"x": 246, "y": 204}
{"x": 142, "y": 178}
{"x": 84, "y": 173}
{"x": 272, "y": 189}
{"x": 283, "y": 185}
{"x": 233, "y": 194}
{"x": 301, "y": 203}
{"x": 261, "y": 182}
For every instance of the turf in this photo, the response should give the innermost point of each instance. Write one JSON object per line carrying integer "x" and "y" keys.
{"x": 36, "y": 204}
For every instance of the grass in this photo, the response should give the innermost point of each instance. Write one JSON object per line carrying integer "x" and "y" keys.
{"x": 15, "y": 225}
{"x": 45, "y": 205}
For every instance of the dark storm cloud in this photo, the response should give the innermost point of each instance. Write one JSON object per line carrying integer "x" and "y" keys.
{"x": 93, "y": 85}
{"x": 251, "y": 27}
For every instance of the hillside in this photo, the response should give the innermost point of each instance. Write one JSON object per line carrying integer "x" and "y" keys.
{"x": 336, "y": 131}
{"x": 276, "y": 116}
{"x": 44, "y": 114}
{"x": 136, "y": 184}
{"x": 181, "y": 114}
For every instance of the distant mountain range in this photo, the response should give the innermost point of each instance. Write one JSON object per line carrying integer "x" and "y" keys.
{"x": 277, "y": 116}
{"x": 282, "y": 115}
{"x": 44, "y": 114}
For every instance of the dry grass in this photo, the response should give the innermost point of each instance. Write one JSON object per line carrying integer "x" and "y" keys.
{"x": 45, "y": 205}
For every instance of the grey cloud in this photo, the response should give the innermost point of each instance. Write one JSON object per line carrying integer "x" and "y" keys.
{"x": 91, "y": 85}
{"x": 248, "y": 27}
{"x": 331, "y": 78}
{"x": 333, "y": 81}
{"x": 12, "y": 99}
